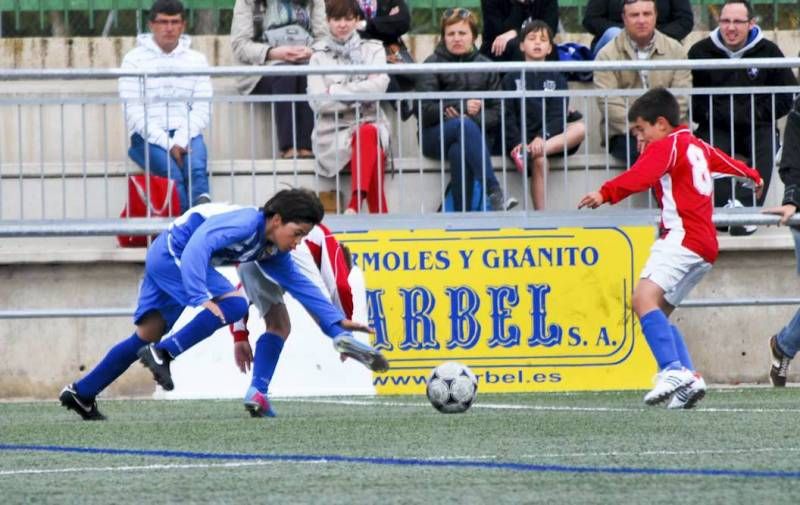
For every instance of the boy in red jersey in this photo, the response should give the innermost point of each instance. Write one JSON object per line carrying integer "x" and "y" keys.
{"x": 677, "y": 166}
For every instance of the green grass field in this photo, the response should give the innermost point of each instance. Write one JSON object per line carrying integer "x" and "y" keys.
{"x": 740, "y": 446}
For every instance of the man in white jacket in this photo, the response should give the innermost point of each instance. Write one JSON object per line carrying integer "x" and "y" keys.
{"x": 166, "y": 115}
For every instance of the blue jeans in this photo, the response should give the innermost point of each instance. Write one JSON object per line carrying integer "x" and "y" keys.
{"x": 191, "y": 179}
{"x": 789, "y": 336}
{"x": 476, "y": 163}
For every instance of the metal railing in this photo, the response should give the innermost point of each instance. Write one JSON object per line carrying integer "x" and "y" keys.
{"x": 64, "y": 158}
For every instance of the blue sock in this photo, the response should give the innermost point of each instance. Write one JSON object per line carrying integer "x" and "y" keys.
{"x": 680, "y": 347}
{"x": 657, "y": 332}
{"x": 113, "y": 364}
{"x": 203, "y": 326}
{"x": 268, "y": 351}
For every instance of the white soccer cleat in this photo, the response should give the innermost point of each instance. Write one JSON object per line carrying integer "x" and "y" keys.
{"x": 688, "y": 397}
{"x": 668, "y": 383}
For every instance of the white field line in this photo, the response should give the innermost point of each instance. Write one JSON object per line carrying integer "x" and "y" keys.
{"x": 552, "y": 408}
{"x": 129, "y": 468}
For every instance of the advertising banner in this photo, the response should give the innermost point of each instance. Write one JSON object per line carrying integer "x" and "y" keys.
{"x": 525, "y": 309}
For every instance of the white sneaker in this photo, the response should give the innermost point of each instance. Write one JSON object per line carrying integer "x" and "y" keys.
{"x": 739, "y": 230}
{"x": 688, "y": 397}
{"x": 668, "y": 383}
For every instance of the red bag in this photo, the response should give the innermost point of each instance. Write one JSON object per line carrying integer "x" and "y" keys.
{"x": 163, "y": 202}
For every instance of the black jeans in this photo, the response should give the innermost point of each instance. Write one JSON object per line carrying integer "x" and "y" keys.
{"x": 293, "y": 120}
{"x": 757, "y": 151}
{"x": 622, "y": 147}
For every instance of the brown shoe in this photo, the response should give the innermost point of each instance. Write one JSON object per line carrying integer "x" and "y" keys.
{"x": 779, "y": 368}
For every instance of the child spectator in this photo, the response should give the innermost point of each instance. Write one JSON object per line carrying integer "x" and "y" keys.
{"x": 547, "y": 132}
{"x": 678, "y": 167}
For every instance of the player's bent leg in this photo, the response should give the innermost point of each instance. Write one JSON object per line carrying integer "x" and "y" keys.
{"x": 365, "y": 354}
{"x": 156, "y": 357}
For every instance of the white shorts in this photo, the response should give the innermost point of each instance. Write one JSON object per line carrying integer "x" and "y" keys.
{"x": 261, "y": 291}
{"x": 675, "y": 269}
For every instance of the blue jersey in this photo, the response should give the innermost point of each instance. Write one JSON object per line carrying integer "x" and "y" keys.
{"x": 216, "y": 235}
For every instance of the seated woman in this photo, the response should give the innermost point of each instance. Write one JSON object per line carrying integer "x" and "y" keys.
{"x": 459, "y": 126}
{"x": 279, "y": 32}
{"x": 548, "y": 129}
{"x": 348, "y": 132}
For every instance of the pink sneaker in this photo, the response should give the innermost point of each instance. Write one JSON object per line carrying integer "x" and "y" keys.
{"x": 257, "y": 404}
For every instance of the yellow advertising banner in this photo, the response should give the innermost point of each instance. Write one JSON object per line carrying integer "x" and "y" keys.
{"x": 525, "y": 309}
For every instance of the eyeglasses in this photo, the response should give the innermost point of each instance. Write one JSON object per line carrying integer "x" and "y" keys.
{"x": 167, "y": 22}
{"x": 735, "y": 22}
{"x": 458, "y": 11}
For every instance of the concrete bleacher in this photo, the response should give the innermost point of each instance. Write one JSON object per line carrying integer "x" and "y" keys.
{"x": 82, "y": 174}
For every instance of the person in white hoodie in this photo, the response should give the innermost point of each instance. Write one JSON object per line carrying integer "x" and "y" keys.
{"x": 166, "y": 115}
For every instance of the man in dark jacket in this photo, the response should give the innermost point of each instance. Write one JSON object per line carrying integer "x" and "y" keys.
{"x": 784, "y": 345}
{"x": 502, "y": 22}
{"x": 727, "y": 120}
{"x": 603, "y": 19}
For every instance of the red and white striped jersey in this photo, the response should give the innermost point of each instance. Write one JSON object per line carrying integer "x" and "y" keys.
{"x": 679, "y": 168}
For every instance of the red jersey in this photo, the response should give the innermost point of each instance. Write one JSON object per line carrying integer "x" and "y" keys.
{"x": 679, "y": 170}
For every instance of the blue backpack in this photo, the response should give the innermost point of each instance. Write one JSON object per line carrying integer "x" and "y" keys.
{"x": 572, "y": 51}
{"x": 476, "y": 203}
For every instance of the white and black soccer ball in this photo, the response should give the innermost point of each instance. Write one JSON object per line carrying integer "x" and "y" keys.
{"x": 452, "y": 387}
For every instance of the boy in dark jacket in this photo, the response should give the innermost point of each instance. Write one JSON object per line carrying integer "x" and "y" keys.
{"x": 547, "y": 132}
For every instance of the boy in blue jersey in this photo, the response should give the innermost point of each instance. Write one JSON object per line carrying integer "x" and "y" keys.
{"x": 179, "y": 272}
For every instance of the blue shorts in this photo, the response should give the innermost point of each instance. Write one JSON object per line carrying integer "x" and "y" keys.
{"x": 162, "y": 287}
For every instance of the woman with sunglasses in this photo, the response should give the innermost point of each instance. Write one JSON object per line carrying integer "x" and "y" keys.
{"x": 455, "y": 128}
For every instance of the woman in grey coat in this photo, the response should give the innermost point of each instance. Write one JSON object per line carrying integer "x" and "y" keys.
{"x": 349, "y": 132}
{"x": 279, "y": 32}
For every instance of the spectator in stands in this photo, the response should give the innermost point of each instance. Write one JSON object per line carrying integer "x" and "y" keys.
{"x": 166, "y": 137}
{"x": 603, "y": 19}
{"x": 349, "y": 132}
{"x": 502, "y": 20}
{"x": 547, "y": 132}
{"x": 388, "y": 21}
{"x": 727, "y": 120}
{"x": 639, "y": 41}
{"x": 784, "y": 345}
{"x": 459, "y": 126}
{"x": 276, "y": 32}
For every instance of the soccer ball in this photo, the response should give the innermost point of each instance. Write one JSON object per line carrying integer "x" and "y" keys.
{"x": 452, "y": 387}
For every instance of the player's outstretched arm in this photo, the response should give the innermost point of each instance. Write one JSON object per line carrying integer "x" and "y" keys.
{"x": 591, "y": 200}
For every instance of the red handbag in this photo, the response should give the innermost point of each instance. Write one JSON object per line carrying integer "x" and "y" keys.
{"x": 149, "y": 196}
